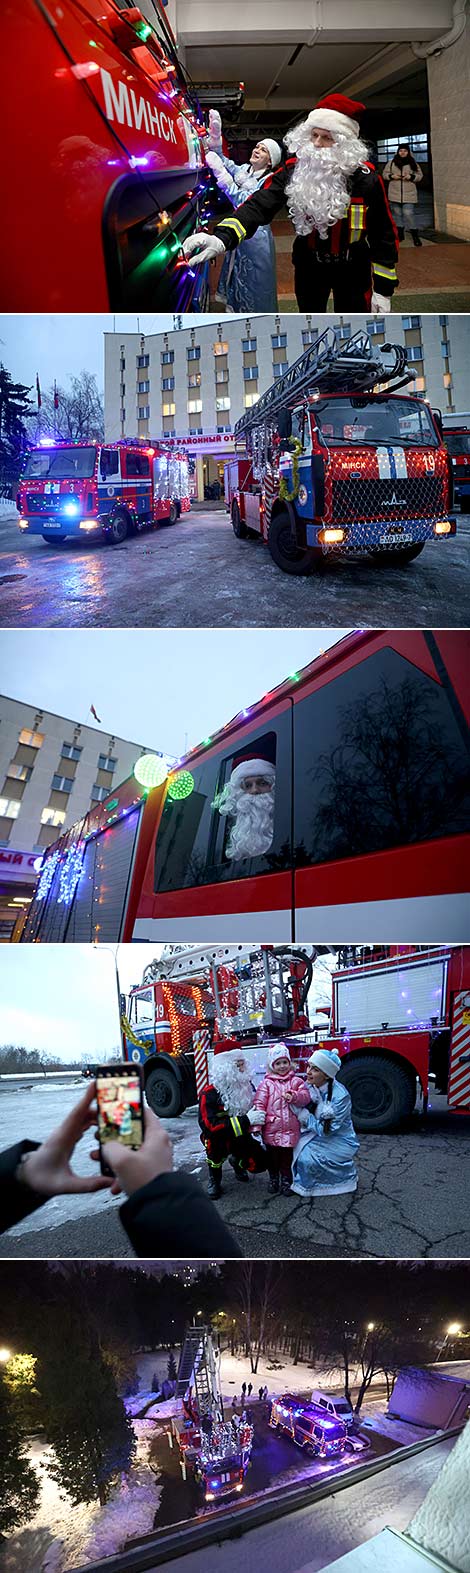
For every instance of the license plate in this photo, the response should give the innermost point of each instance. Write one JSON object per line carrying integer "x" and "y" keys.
{"x": 396, "y": 535}
{"x": 53, "y": 524}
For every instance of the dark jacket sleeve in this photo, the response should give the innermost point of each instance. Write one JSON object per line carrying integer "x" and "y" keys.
{"x": 382, "y": 237}
{"x": 16, "y": 1199}
{"x": 258, "y": 209}
{"x": 172, "y": 1217}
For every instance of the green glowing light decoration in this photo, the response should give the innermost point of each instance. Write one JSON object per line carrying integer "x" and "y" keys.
{"x": 113, "y": 804}
{"x": 150, "y": 771}
{"x": 181, "y": 785}
{"x": 143, "y": 30}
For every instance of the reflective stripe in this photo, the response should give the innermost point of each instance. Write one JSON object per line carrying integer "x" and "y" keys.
{"x": 233, "y": 223}
{"x": 357, "y": 212}
{"x": 236, "y": 1126}
{"x": 385, "y": 273}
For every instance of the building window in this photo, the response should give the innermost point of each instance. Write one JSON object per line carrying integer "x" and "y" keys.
{"x": 123, "y": 363}
{"x": 194, "y": 430}
{"x": 123, "y": 414}
{"x": 9, "y": 808}
{"x": 143, "y": 387}
{"x": 194, "y": 406}
{"x": 70, "y": 751}
{"x": 53, "y": 816}
{"x": 194, "y": 353}
{"x": 194, "y": 379}
{"x": 414, "y": 352}
{"x": 168, "y": 384}
{"x": 222, "y": 404}
{"x": 168, "y": 408}
{"x": 308, "y": 337}
{"x": 105, "y": 763}
{"x": 375, "y": 327}
{"x": 221, "y": 349}
{"x": 32, "y": 739}
{"x": 143, "y": 361}
{"x": 19, "y": 772}
{"x": 250, "y": 400}
{"x": 250, "y": 373}
{"x": 61, "y": 784}
{"x": 98, "y": 794}
{"x": 221, "y": 375}
{"x": 280, "y": 368}
{"x": 168, "y": 431}
{"x": 418, "y": 146}
{"x": 411, "y": 322}
{"x": 248, "y": 344}
{"x": 279, "y": 341}
{"x": 344, "y": 332}
{"x": 143, "y": 412}
{"x": 223, "y": 428}
{"x": 167, "y": 357}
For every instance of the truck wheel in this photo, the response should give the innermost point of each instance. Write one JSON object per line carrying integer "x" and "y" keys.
{"x": 119, "y": 527}
{"x": 238, "y": 524}
{"x": 163, "y": 1092}
{"x": 396, "y": 557}
{"x": 284, "y": 552}
{"x": 173, "y": 514}
{"x": 54, "y": 540}
{"x": 382, "y": 1094}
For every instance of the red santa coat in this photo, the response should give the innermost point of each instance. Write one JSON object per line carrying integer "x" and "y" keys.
{"x": 281, "y": 1127}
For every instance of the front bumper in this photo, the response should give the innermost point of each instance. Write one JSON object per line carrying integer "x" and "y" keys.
{"x": 379, "y": 534}
{"x": 53, "y": 524}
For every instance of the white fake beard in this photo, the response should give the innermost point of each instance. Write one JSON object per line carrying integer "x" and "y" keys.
{"x": 317, "y": 194}
{"x": 234, "y": 1086}
{"x": 252, "y": 831}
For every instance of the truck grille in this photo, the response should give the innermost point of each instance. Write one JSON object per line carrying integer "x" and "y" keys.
{"x": 36, "y": 502}
{"x": 421, "y": 496}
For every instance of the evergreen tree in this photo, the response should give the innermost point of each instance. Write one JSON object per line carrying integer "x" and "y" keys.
{"x": 172, "y": 1372}
{"x": 16, "y": 408}
{"x": 19, "y": 1484}
{"x": 85, "y": 1420}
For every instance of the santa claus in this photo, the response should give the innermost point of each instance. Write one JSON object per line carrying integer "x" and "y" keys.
{"x": 346, "y": 241}
{"x": 226, "y": 1129}
{"x": 248, "y": 802}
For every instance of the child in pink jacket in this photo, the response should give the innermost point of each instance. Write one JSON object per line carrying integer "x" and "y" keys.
{"x": 271, "y": 1111}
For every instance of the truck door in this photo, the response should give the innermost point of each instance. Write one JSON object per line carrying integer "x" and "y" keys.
{"x": 196, "y": 884}
{"x": 137, "y": 490}
{"x": 381, "y": 797}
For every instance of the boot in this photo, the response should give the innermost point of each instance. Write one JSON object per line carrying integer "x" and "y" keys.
{"x": 273, "y": 1184}
{"x": 239, "y": 1172}
{"x": 400, "y": 232}
{"x": 214, "y": 1188}
{"x": 415, "y": 237}
{"x": 285, "y": 1186}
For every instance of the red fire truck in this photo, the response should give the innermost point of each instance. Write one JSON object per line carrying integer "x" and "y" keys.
{"x": 103, "y": 125}
{"x": 370, "y": 815}
{"x": 339, "y": 461}
{"x": 111, "y": 489}
{"x": 456, "y": 432}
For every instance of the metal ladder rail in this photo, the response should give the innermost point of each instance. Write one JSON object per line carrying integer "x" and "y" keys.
{"x": 326, "y": 371}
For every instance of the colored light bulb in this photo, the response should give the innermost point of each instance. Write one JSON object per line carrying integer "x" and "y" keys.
{"x": 150, "y": 771}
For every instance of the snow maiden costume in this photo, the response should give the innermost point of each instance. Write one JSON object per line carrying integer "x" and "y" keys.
{"x": 248, "y": 278}
{"x": 323, "y": 1162}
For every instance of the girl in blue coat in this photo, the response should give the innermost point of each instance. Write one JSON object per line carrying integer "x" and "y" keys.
{"x": 248, "y": 278}
{"x": 324, "y": 1158}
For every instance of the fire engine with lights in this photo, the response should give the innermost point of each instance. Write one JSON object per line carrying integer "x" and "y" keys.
{"x": 456, "y": 433}
{"x": 106, "y": 130}
{"x": 370, "y": 815}
{"x": 112, "y": 489}
{"x": 319, "y": 1435}
{"x": 336, "y": 460}
{"x": 216, "y": 1451}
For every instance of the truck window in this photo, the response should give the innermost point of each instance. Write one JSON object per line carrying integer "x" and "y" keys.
{"x": 109, "y": 463}
{"x": 360, "y": 419}
{"x": 144, "y": 1007}
{"x": 95, "y": 908}
{"x": 201, "y": 841}
{"x": 137, "y": 465}
{"x": 380, "y": 762}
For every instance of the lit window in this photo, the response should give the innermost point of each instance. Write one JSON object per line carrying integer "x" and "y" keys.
{"x": 31, "y": 739}
{"x": 168, "y": 409}
{"x": 194, "y": 379}
{"x": 222, "y": 404}
{"x": 250, "y": 400}
{"x": 20, "y": 772}
{"x": 221, "y": 349}
{"x": 447, "y": 379}
{"x": 8, "y": 808}
{"x": 52, "y": 816}
{"x": 194, "y": 406}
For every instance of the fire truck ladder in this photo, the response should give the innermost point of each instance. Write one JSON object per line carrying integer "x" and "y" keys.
{"x": 324, "y": 368}
{"x": 198, "y": 1369}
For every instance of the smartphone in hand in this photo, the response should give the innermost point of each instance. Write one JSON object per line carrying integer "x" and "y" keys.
{"x": 119, "y": 1095}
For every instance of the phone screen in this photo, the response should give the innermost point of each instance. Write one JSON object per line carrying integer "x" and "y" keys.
{"x": 120, "y": 1112}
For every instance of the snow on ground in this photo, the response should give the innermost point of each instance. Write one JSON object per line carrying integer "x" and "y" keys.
{"x": 398, "y": 1430}
{"x": 284, "y": 1378}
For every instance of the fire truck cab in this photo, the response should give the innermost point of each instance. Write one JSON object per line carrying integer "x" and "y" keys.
{"x": 96, "y": 489}
{"x": 339, "y": 461}
{"x": 320, "y": 1435}
{"x": 456, "y": 431}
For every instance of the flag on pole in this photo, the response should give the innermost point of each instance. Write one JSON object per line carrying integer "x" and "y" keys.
{"x": 56, "y": 396}
{"x": 38, "y": 391}
{"x": 93, "y": 713}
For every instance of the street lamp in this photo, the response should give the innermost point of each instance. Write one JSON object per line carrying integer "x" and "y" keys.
{"x": 5, "y": 1354}
{"x": 453, "y": 1329}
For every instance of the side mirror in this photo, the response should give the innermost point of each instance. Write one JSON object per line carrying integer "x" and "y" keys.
{"x": 284, "y": 426}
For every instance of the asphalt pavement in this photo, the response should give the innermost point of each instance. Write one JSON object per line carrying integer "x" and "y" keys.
{"x": 411, "y": 1199}
{"x": 196, "y": 574}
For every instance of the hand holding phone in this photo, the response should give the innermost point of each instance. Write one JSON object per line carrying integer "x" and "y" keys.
{"x": 119, "y": 1095}
{"x": 132, "y": 1170}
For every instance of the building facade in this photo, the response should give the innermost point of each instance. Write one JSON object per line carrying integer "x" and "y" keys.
{"x": 193, "y": 384}
{"x": 52, "y": 770}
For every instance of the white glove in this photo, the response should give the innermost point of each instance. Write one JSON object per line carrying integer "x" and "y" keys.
{"x": 380, "y": 305}
{"x": 214, "y": 140}
{"x": 256, "y": 1116}
{"x": 202, "y": 247}
{"x": 215, "y": 162}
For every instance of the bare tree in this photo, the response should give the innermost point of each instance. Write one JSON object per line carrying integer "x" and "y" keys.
{"x": 75, "y": 414}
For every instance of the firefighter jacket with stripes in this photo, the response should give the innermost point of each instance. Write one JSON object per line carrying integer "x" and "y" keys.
{"x": 368, "y": 221}
{"x": 215, "y": 1121}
